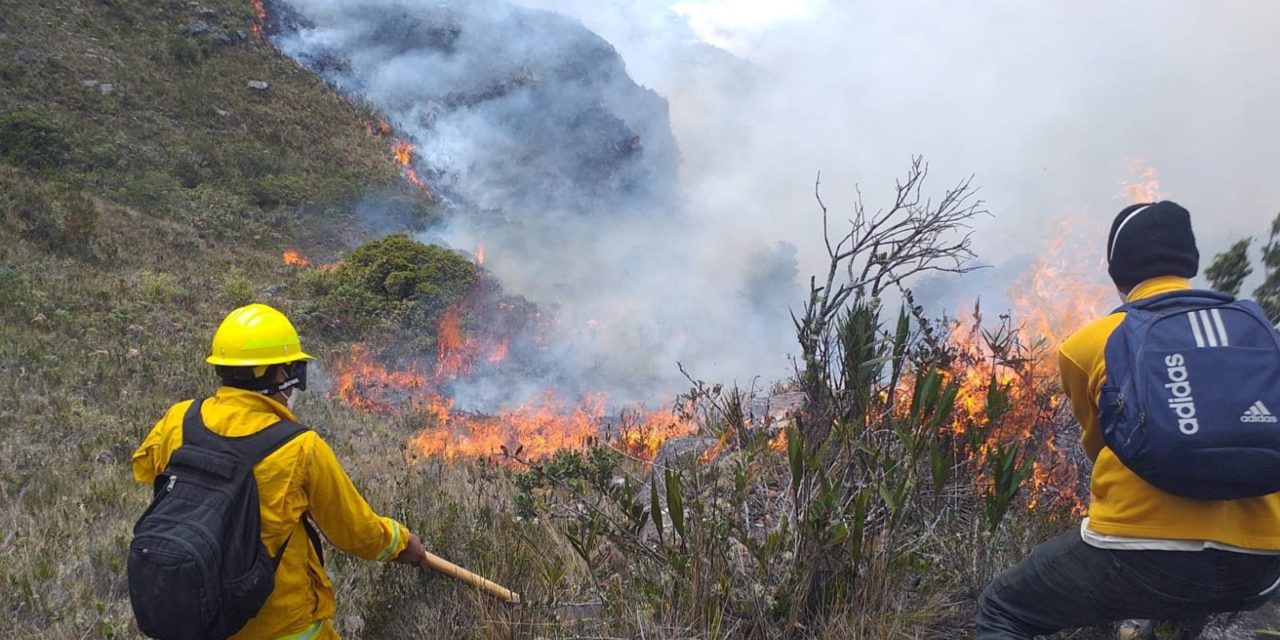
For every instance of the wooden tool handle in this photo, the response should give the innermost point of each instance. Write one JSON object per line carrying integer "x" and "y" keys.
{"x": 458, "y": 573}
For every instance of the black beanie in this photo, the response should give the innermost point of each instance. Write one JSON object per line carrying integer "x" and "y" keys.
{"x": 1149, "y": 240}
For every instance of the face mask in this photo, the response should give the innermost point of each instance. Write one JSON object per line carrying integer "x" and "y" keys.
{"x": 291, "y": 398}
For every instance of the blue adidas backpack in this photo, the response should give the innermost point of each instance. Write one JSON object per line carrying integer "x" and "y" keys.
{"x": 1189, "y": 401}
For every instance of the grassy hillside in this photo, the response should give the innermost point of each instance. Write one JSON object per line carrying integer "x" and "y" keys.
{"x": 144, "y": 191}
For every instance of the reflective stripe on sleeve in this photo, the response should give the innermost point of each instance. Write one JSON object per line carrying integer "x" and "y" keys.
{"x": 305, "y": 634}
{"x": 395, "y": 541}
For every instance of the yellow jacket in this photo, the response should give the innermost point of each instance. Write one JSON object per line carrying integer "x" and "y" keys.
{"x": 1121, "y": 503}
{"x": 303, "y": 476}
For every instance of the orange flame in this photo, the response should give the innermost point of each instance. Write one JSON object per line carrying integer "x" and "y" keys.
{"x": 295, "y": 258}
{"x": 779, "y": 442}
{"x": 259, "y": 17}
{"x": 403, "y": 152}
{"x": 480, "y": 253}
{"x": 1062, "y": 293}
{"x": 378, "y": 129}
{"x": 642, "y": 433}
{"x": 452, "y": 346}
{"x": 1145, "y": 186}
{"x": 499, "y": 352}
{"x": 1062, "y": 290}
{"x": 718, "y": 448}
{"x": 537, "y": 430}
{"x": 1058, "y": 295}
{"x": 365, "y": 384}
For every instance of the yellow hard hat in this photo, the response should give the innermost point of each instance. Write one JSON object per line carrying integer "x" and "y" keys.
{"x": 255, "y": 335}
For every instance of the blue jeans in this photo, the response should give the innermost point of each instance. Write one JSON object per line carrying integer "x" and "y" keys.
{"x": 1066, "y": 583}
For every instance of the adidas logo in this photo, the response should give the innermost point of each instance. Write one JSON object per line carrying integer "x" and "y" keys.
{"x": 1258, "y": 413}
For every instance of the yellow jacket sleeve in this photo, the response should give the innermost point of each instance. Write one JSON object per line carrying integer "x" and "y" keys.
{"x": 343, "y": 515}
{"x": 1075, "y": 382}
{"x": 152, "y": 455}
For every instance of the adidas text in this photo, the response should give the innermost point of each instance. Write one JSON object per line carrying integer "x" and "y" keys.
{"x": 1258, "y": 413}
{"x": 1183, "y": 405}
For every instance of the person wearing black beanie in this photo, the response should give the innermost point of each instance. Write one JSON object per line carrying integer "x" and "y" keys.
{"x": 1142, "y": 552}
{"x": 1151, "y": 239}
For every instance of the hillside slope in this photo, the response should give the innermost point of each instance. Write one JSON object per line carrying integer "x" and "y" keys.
{"x": 145, "y": 189}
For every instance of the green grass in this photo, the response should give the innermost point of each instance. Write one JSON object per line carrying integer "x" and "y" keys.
{"x": 130, "y": 222}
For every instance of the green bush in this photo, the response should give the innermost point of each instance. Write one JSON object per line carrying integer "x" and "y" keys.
{"x": 337, "y": 189}
{"x": 252, "y": 162}
{"x": 103, "y": 156}
{"x": 151, "y": 189}
{"x": 237, "y": 289}
{"x": 11, "y": 73}
{"x": 161, "y": 287}
{"x": 273, "y": 191}
{"x": 398, "y": 268}
{"x": 28, "y": 139}
{"x": 13, "y": 293}
{"x": 399, "y": 283}
{"x": 190, "y": 172}
{"x": 185, "y": 51}
{"x": 54, "y": 217}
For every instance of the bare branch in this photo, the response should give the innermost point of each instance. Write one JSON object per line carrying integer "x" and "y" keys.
{"x": 915, "y": 235}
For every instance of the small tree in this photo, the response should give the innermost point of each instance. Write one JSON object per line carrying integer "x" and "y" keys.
{"x": 879, "y": 251}
{"x": 1268, "y": 293}
{"x": 1229, "y": 269}
{"x": 843, "y": 351}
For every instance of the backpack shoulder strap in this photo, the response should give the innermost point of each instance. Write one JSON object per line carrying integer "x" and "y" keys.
{"x": 256, "y": 446}
{"x": 314, "y": 536}
{"x": 253, "y": 447}
{"x": 193, "y": 430}
{"x": 1178, "y": 298}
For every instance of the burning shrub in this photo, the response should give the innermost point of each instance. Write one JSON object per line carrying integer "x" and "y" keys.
{"x": 911, "y": 481}
{"x": 913, "y": 442}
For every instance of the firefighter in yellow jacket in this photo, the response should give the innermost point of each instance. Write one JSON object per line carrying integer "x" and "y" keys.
{"x": 260, "y": 361}
{"x": 1142, "y": 553}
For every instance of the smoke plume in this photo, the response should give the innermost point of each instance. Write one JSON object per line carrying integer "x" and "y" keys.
{"x": 1053, "y": 106}
{"x": 552, "y": 128}
{"x": 528, "y": 127}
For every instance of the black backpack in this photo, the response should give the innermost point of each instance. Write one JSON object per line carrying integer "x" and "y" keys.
{"x": 197, "y": 565}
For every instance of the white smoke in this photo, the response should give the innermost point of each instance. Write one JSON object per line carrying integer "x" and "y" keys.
{"x": 566, "y": 171}
{"x": 1048, "y": 104}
